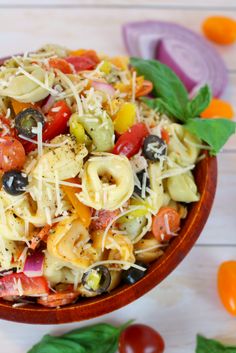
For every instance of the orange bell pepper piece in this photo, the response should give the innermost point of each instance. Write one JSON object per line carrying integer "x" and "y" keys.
{"x": 19, "y": 106}
{"x": 82, "y": 210}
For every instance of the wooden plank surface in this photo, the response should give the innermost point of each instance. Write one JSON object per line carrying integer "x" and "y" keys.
{"x": 186, "y": 303}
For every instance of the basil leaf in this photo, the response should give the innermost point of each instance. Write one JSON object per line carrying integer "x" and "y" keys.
{"x": 205, "y": 345}
{"x": 162, "y": 107}
{"x": 166, "y": 85}
{"x": 215, "y": 132}
{"x": 199, "y": 103}
{"x": 100, "y": 338}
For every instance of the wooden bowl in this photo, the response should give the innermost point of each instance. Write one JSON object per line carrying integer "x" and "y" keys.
{"x": 87, "y": 308}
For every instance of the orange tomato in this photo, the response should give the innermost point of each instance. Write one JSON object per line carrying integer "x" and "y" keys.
{"x": 61, "y": 65}
{"x": 12, "y": 154}
{"x": 19, "y": 106}
{"x": 145, "y": 89}
{"x": 227, "y": 285}
{"x": 91, "y": 54}
{"x": 218, "y": 108}
{"x": 166, "y": 215}
{"x": 82, "y": 210}
{"x": 220, "y": 29}
{"x": 165, "y": 136}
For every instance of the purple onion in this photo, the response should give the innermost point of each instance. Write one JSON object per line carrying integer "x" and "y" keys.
{"x": 33, "y": 266}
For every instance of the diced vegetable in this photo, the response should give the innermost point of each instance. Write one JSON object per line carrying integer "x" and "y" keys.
{"x": 131, "y": 141}
{"x": 190, "y": 56}
{"x": 145, "y": 89}
{"x": 19, "y": 106}
{"x": 83, "y": 211}
{"x": 12, "y": 154}
{"x": 218, "y": 108}
{"x": 14, "y": 182}
{"x": 125, "y": 118}
{"x": 5, "y": 127}
{"x": 76, "y": 129}
{"x": 41, "y": 235}
{"x": 226, "y": 285}
{"x": 33, "y": 266}
{"x": 81, "y": 63}
{"x": 104, "y": 87}
{"x": 220, "y": 29}
{"x": 19, "y": 284}
{"x": 165, "y": 224}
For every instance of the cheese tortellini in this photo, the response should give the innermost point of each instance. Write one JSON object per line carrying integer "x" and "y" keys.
{"x": 182, "y": 188}
{"x": 107, "y": 181}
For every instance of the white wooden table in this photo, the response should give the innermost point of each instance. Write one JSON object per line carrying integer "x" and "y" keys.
{"x": 186, "y": 303}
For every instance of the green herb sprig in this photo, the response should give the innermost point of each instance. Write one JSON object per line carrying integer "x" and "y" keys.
{"x": 205, "y": 345}
{"x": 171, "y": 97}
{"x": 99, "y": 338}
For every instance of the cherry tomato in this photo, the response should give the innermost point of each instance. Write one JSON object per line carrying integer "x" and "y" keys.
{"x": 140, "y": 339}
{"x": 56, "y": 124}
{"x": 166, "y": 216}
{"x": 103, "y": 218}
{"x": 12, "y": 154}
{"x": 13, "y": 284}
{"x": 5, "y": 127}
{"x": 165, "y": 136}
{"x": 131, "y": 141}
{"x": 61, "y": 65}
{"x": 58, "y": 299}
{"x": 227, "y": 285}
{"x": 218, "y": 108}
{"x": 220, "y": 29}
{"x": 81, "y": 63}
{"x": 145, "y": 89}
{"x": 87, "y": 53}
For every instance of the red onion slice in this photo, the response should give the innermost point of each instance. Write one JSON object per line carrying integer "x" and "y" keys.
{"x": 104, "y": 87}
{"x": 33, "y": 266}
{"x": 193, "y": 59}
{"x": 48, "y": 104}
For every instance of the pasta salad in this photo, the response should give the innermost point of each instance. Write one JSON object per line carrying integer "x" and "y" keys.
{"x": 94, "y": 182}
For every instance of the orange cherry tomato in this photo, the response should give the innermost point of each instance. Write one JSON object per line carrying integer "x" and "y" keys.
{"x": 145, "y": 89}
{"x": 61, "y": 65}
{"x": 12, "y": 154}
{"x": 167, "y": 216}
{"x": 140, "y": 339}
{"x": 218, "y": 108}
{"x": 227, "y": 285}
{"x": 220, "y": 29}
{"x": 83, "y": 211}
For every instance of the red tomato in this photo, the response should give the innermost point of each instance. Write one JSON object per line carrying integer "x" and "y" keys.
{"x": 81, "y": 63}
{"x": 5, "y": 127}
{"x": 166, "y": 215}
{"x": 12, "y": 154}
{"x": 140, "y": 339}
{"x": 61, "y": 65}
{"x": 58, "y": 299}
{"x": 103, "y": 218}
{"x": 227, "y": 285}
{"x": 10, "y": 284}
{"x": 165, "y": 136}
{"x": 131, "y": 141}
{"x": 91, "y": 54}
{"x": 56, "y": 123}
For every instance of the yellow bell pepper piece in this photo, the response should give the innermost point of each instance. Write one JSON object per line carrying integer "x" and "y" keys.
{"x": 106, "y": 67}
{"x": 120, "y": 61}
{"x": 77, "y": 130}
{"x": 125, "y": 118}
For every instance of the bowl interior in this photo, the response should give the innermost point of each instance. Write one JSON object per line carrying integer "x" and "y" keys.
{"x": 87, "y": 308}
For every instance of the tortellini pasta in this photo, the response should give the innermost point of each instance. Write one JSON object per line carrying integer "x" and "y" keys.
{"x": 147, "y": 249}
{"x": 182, "y": 188}
{"x": 183, "y": 146}
{"x": 107, "y": 181}
{"x": 24, "y": 88}
{"x": 101, "y": 130}
{"x": 69, "y": 242}
{"x": 13, "y": 228}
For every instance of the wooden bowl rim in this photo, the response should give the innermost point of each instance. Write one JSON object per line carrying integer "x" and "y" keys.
{"x": 93, "y": 307}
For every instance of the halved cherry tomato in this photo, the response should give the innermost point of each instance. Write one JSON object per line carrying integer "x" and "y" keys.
{"x": 56, "y": 124}
{"x": 82, "y": 210}
{"x": 61, "y": 65}
{"x": 145, "y": 89}
{"x": 167, "y": 216}
{"x": 165, "y": 136}
{"x": 103, "y": 218}
{"x": 218, "y": 108}
{"x": 5, "y": 127}
{"x": 58, "y": 299}
{"x": 140, "y": 339}
{"x": 131, "y": 141}
{"x": 81, "y": 63}
{"x": 227, "y": 285}
{"x": 20, "y": 284}
{"x": 12, "y": 154}
{"x": 41, "y": 235}
{"x": 87, "y": 53}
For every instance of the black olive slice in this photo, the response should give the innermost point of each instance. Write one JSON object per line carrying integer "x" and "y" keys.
{"x": 27, "y": 120}
{"x": 14, "y": 182}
